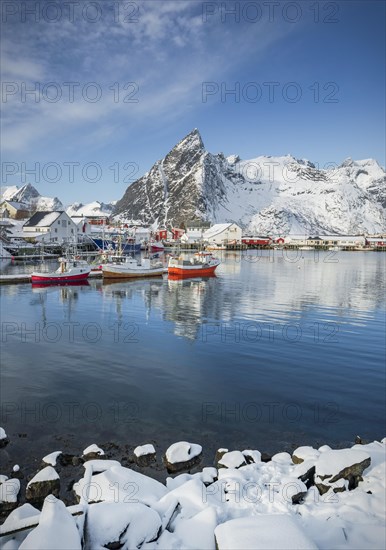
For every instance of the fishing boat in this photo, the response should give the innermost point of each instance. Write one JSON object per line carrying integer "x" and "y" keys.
{"x": 128, "y": 267}
{"x": 157, "y": 246}
{"x": 70, "y": 270}
{"x": 201, "y": 264}
{"x": 214, "y": 246}
{"x": 127, "y": 247}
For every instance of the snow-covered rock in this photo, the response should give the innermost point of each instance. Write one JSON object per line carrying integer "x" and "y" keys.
{"x": 252, "y": 456}
{"x": 182, "y": 455}
{"x": 9, "y": 493}
{"x": 92, "y": 451}
{"x": 305, "y": 453}
{"x": 44, "y": 483}
{"x": 263, "y": 532}
{"x": 57, "y": 529}
{"x": 144, "y": 454}
{"x": 143, "y": 450}
{"x": 23, "y": 512}
{"x": 264, "y": 195}
{"x": 128, "y": 525}
{"x": 333, "y": 466}
{"x": 51, "y": 458}
{"x": 3, "y": 438}
{"x": 120, "y": 484}
{"x": 233, "y": 459}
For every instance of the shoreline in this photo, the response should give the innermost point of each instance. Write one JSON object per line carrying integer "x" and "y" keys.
{"x": 238, "y": 484}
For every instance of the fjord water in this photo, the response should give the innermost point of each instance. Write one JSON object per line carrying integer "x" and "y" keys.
{"x": 280, "y": 349}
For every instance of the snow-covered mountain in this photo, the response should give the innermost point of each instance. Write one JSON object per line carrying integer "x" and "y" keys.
{"x": 28, "y": 195}
{"x": 95, "y": 208}
{"x": 265, "y": 195}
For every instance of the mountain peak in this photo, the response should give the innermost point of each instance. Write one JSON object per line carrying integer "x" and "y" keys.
{"x": 192, "y": 141}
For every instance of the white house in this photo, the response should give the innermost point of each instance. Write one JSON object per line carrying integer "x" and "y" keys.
{"x": 223, "y": 233}
{"x": 53, "y": 227}
{"x": 82, "y": 224}
{"x": 195, "y": 230}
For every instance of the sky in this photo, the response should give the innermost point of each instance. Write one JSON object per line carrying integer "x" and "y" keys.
{"x": 95, "y": 92}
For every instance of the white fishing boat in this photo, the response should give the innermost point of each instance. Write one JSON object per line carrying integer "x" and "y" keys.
{"x": 129, "y": 267}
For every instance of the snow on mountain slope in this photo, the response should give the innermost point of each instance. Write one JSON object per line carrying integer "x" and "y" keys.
{"x": 266, "y": 195}
{"x": 27, "y": 194}
{"x": 95, "y": 208}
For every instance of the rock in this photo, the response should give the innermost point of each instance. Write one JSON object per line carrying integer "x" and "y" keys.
{"x": 92, "y": 452}
{"x": 144, "y": 455}
{"x": 305, "y": 471}
{"x": 46, "y": 482}
{"x": 252, "y": 457}
{"x": 3, "y": 438}
{"x": 57, "y": 529}
{"x": 343, "y": 464}
{"x": 232, "y": 459}
{"x": 9, "y": 494}
{"x": 305, "y": 453}
{"x": 208, "y": 476}
{"x": 182, "y": 456}
{"x": 262, "y": 532}
{"x": 219, "y": 454}
{"x": 265, "y": 457}
{"x": 51, "y": 459}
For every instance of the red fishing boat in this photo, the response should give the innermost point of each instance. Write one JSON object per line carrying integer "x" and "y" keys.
{"x": 69, "y": 271}
{"x": 201, "y": 264}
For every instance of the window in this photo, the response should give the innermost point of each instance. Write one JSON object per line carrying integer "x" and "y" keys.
{"x": 64, "y": 223}
{"x": 56, "y": 230}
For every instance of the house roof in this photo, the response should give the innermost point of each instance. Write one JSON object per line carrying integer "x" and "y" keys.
{"x": 216, "y": 229}
{"x": 43, "y": 219}
{"x": 17, "y": 205}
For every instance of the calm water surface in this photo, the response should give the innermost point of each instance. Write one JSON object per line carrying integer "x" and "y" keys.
{"x": 273, "y": 352}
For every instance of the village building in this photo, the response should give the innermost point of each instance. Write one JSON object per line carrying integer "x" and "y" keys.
{"x": 223, "y": 233}
{"x": 14, "y": 210}
{"x": 195, "y": 230}
{"x": 51, "y": 227}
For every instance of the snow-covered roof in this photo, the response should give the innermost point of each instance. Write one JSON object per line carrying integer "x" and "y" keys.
{"x": 216, "y": 229}
{"x": 43, "y": 219}
{"x": 17, "y": 205}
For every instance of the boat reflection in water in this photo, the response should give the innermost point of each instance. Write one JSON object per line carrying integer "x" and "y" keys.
{"x": 59, "y": 284}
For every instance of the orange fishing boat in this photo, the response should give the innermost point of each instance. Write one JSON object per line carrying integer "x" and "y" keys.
{"x": 201, "y": 264}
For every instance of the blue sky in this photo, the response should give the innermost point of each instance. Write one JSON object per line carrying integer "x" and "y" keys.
{"x": 177, "y": 60}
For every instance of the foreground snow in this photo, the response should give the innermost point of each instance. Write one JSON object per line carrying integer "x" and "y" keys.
{"x": 246, "y": 504}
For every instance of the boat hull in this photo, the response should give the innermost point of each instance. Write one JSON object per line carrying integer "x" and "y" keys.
{"x": 194, "y": 271}
{"x": 41, "y": 278}
{"x": 116, "y": 273}
{"x": 107, "y": 244}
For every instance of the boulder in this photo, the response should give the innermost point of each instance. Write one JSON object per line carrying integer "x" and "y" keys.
{"x": 343, "y": 464}
{"x": 182, "y": 456}
{"x": 232, "y": 459}
{"x": 144, "y": 455}
{"x": 46, "y": 482}
{"x": 3, "y": 438}
{"x": 9, "y": 494}
{"x": 92, "y": 452}
{"x": 219, "y": 454}
{"x": 305, "y": 453}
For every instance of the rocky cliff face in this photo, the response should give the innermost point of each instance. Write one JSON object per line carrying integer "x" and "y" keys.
{"x": 266, "y": 195}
